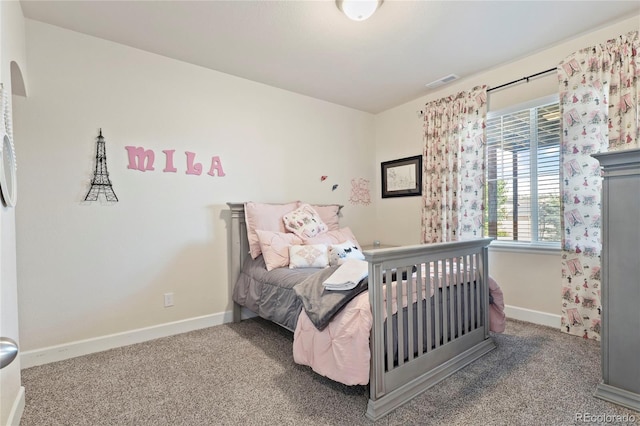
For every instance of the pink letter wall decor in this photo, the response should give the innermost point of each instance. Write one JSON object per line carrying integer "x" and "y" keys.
{"x": 216, "y": 164}
{"x": 140, "y": 154}
{"x": 142, "y": 159}
{"x": 193, "y": 169}
{"x": 169, "y": 165}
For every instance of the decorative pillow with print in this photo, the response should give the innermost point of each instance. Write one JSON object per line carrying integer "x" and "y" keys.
{"x": 308, "y": 256}
{"x": 338, "y": 253}
{"x": 305, "y": 222}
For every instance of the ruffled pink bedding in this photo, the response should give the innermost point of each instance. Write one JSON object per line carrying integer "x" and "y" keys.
{"x": 341, "y": 351}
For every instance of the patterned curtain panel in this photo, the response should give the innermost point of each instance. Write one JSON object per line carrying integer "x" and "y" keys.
{"x": 599, "y": 103}
{"x": 453, "y": 171}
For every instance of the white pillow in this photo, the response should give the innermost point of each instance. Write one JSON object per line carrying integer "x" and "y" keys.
{"x": 338, "y": 253}
{"x": 308, "y": 256}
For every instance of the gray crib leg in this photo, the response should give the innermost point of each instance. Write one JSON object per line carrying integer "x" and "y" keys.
{"x": 237, "y": 312}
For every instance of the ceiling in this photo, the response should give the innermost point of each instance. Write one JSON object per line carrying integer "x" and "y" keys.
{"x": 309, "y": 47}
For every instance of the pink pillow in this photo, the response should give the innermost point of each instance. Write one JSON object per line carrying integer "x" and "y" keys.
{"x": 304, "y": 222}
{"x": 275, "y": 247}
{"x": 329, "y": 215}
{"x": 334, "y": 237}
{"x": 267, "y": 217}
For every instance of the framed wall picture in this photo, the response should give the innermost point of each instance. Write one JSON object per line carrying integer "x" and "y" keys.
{"x": 402, "y": 177}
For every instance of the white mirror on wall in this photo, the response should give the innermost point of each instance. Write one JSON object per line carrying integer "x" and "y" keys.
{"x": 8, "y": 173}
{"x": 8, "y": 185}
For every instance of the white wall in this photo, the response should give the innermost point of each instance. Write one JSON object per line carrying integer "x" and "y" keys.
{"x": 530, "y": 281}
{"x": 88, "y": 270}
{"x": 12, "y": 49}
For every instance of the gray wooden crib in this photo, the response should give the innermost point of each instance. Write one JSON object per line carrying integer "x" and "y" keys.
{"x": 442, "y": 327}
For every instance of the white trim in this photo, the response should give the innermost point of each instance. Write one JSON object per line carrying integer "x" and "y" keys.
{"x": 103, "y": 343}
{"x": 513, "y": 247}
{"x": 535, "y": 317}
{"x": 17, "y": 409}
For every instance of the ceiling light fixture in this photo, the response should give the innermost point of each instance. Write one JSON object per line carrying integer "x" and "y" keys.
{"x": 358, "y": 10}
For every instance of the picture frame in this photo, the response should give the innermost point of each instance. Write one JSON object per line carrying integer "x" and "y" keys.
{"x": 402, "y": 177}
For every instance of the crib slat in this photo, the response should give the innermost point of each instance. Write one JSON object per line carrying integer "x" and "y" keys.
{"x": 469, "y": 286}
{"x": 400, "y": 322}
{"x": 428, "y": 274}
{"x": 436, "y": 301}
{"x": 452, "y": 309}
{"x": 452, "y": 301}
{"x": 410, "y": 320}
{"x": 478, "y": 282}
{"x": 474, "y": 293}
{"x": 445, "y": 306}
{"x": 419, "y": 312}
{"x": 389, "y": 311}
{"x": 446, "y": 294}
{"x": 460, "y": 291}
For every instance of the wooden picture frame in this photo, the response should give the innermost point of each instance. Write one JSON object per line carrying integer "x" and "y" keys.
{"x": 402, "y": 177}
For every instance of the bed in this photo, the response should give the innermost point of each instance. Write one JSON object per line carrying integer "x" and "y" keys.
{"x": 441, "y": 302}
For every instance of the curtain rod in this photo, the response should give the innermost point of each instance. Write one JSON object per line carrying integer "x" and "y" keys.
{"x": 421, "y": 113}
{"x": 522, "y": 79}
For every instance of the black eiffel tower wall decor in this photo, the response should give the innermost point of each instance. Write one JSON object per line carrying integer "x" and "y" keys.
{"x": 100, "y": 184}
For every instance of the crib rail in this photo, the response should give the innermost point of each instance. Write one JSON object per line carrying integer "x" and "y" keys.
{"x": 431, "y": 321}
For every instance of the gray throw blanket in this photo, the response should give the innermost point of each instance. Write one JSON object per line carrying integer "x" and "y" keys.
{"x": 321, "y": 305}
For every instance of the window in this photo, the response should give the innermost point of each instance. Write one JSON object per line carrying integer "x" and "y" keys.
{"x": 523, "y": 173}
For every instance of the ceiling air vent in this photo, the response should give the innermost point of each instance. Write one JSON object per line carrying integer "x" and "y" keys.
{"x": 442, "y": 81}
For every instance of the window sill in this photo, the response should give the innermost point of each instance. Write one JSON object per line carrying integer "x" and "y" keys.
{"x": 539, "y": 248}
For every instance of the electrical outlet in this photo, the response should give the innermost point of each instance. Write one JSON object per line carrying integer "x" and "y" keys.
{"x": 168, "y": 300}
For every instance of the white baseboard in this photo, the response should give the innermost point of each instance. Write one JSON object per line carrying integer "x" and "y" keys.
{"x": 535, "y": 317}
{"x": 17, "y": 409}
{"x": 103, "y": 343}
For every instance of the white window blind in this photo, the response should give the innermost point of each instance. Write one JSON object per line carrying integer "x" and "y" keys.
{"x": 523, "y": 175}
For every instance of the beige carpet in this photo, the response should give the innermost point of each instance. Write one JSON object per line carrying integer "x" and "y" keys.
{"x": 244, "y": 374}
